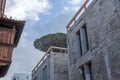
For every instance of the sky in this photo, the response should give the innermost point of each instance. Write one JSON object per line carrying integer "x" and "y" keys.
{"x": 42, "y": 17}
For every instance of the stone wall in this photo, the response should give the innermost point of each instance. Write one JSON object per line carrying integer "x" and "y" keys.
{"x": 102, "y": 19}
{"x": 57, "y": 67}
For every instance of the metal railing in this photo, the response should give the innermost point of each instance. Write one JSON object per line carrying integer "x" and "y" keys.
{"x": 76, "y": 15}
{"x": 45, "y": 56}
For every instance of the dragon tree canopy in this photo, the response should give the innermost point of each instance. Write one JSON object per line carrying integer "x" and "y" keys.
{"x": 55, "y": 39}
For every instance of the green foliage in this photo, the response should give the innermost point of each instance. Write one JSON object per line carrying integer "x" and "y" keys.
{"x": 56, "y": 39}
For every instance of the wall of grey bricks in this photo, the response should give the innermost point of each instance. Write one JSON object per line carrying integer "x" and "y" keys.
{"x": 57, "y": 67}
{"x": 102, "y": 19}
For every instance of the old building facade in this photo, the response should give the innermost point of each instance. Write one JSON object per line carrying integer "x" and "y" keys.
{"x": 21, "y": 76}
{"x": 53, "y": 65}
{"x": 10, "y": 32}
{"x": 94, "y": 42}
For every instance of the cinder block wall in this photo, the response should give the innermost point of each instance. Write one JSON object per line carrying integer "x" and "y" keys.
{"x": 102, "y": 19}
{"x": 57, "y": 67}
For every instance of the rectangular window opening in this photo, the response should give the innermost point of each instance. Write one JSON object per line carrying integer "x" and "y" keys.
{"x": 90, "y": 70}
{"x": 85, "y": 36}
{"x": 36, "y": 78}
{"x": 82, "y": 72}
{"x": 79, "y": 42}
{"x": 45, "y": 73}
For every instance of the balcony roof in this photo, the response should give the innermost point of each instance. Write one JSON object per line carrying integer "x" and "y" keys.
{"x": 13, "y": 24}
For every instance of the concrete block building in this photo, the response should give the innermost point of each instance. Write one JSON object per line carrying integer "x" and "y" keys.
{"x": 21, "y": 76}
{"x": 94, "y": 42}
{"x": 53, "y": 65}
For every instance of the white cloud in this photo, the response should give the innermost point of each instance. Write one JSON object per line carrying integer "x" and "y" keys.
{"x": 73, "y": 9}
{"x": 76, "y": 2}
{"x": 74, "y": 5}
{"x": 27, "y": 9}
{"x": 66, "y": 8}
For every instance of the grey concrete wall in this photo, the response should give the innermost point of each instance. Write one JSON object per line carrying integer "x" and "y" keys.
{"x": 38, "y": 75}
{"x": 60, "y": 66}
{"x": 102, "y": 19}
{"x": 57, "y": 67}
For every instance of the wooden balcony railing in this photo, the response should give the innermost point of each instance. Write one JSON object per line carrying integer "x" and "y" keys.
{"x": 52, "y": 48}
{"x": 7, "y": 36}
{"x": 76, "y": 15}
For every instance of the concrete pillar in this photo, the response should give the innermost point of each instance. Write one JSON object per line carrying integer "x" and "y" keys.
{"x": 68, "y": 51}
{"x": 107, "y": 64}
{"x": 51, "y": 66}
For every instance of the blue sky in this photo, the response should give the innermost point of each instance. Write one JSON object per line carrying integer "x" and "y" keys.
{"x": 42, "y": 17}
